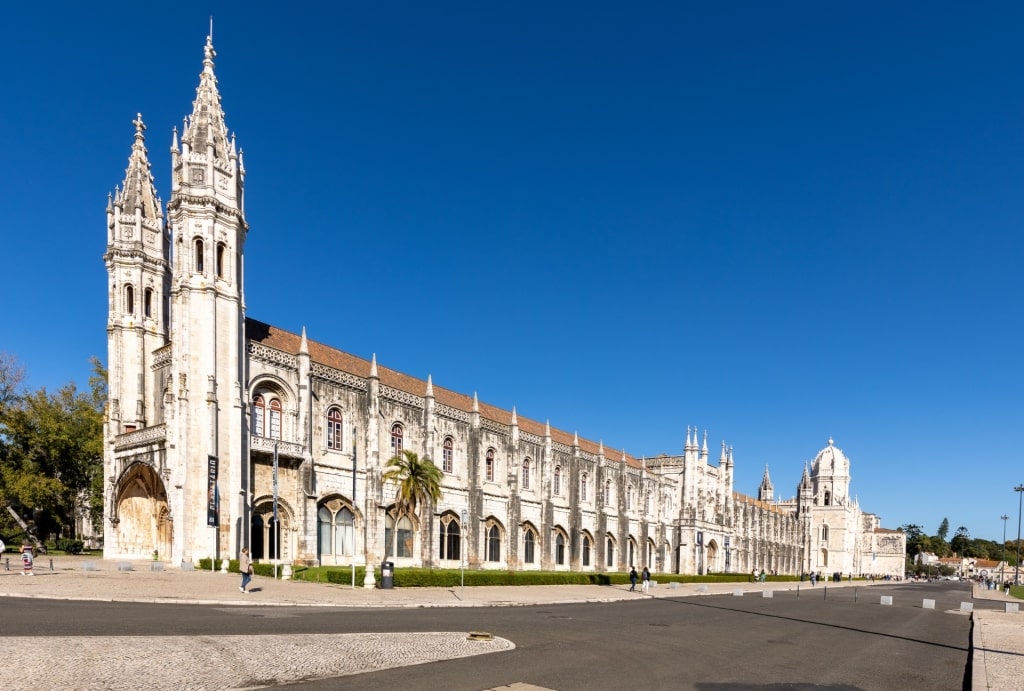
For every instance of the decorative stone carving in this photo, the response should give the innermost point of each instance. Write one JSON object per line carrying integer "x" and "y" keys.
{"x": 496, "y": 427}
{"x": 272, "y": 356}
{"x": 442, "y": 410}
{"x": 339, "y": 377}
{"x": 404, "y": 397}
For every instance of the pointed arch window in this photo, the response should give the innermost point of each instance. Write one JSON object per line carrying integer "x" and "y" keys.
{"x": 828, "y": 498}
{"x": 609, "y": 553}
{"x": 586, "y": 550}
{"x": 404, "y": 536}
{"x": 559, "y": 549}
{"x": 334, "y": 429}
{"x": 526, "y": 473}
{"x": 197, "y": 247}
{"x": 583, "y": 487}
{"x": 336, "y": 528}
{"x": 493, "y": 544}
{"x": 607, "y": 498}
{"x": 396, "y": 439}
{"x": 529, "y": 545}
{"x": 147, "y": 303}
{"x": 451, "y": 538}
{"x": 647, "y": 502}
{"x": 489, "y": 466}
{"x": 629, "y": 498}
{"x": 259, "y": 415}
{"x": 129, "y": 299}
{"x": 557, "y": 489}
{"x": 824, "y": 533}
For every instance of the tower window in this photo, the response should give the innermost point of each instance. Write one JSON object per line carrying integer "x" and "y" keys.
{"x": 198, "y": 247}
{"x": 147, "y": 303}
{"x": 526, "y": 474}
{"x": 557, "y": 488}
{"x": 220, "y": 260}
{"x": 489, "y": 466}
{"x": 129, "y": 299}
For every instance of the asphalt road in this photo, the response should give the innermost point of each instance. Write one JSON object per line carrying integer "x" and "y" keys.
{"x": 706, "y": 643}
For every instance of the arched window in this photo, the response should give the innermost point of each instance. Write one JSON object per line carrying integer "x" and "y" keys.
{"x": 396, "y": 440}
{"x": 275, "y": 419}
{"x": 557, "y": 489}
{"x": 494, "y": 544}
{"x": 451, "y": 538}
{"x": 447, "y": 455}
{"x": 334, "y": 429}
{"x": 586, "y": 550}
{"x": 559, "y": 549}
{"x": 828, "y": 498}
{"x": 583, "y": 487}
{"x": 526, "y": 474}
{"x": 488, "y": 466}
{"x": 198, "y": 247}
{"x": 824, "y": 533}
{"x": 529, "y": 542}
{"x": 647, "y": 502}
{"x": 129, "y": 299}
{"x": 259, "y": 415}
{"x": 609, "y": 553}
{"x": 220, "y": 260}
{"x": 404, "y": 536}
{"x": 606, "y": 498}
{"x": 336, "y": 527}
{"x": 147, "y": 303}
{"x": 629, "y": 498}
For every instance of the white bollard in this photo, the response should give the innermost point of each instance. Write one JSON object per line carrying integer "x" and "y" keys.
{"x": 702, "y": 589}
{"x": 928, "y": 604}
{"x": 369, "y": 581}
{"x": 886, "y": 600}
{"x": 966, "y": 606}
{"x": 767, "y": 593}
{"x": 738, "y": 592}
{"x": 1012, "y": 607}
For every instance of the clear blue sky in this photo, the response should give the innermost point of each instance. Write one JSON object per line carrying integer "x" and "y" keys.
{"x": 779, "y": 222}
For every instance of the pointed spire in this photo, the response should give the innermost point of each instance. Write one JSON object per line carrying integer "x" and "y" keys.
{"x": 206, "y": 125}
{"x": 705, "y": 449}
{"x": 575, "y": 439}
{"x": 600, "y": 446}
{"x": 138, "y": 191}
{"x": 515, "y": 419}
{"x": 430, "y": 387}
{"x": 303, "y": 343}
{"x": 547, "y": 428}
{"x": 766, "y": 480}
{"x": 373, "y": 367}
{"x": 476, "y": 403}
{"x": 687, "y": 438}
{"x": 722, "y": 457}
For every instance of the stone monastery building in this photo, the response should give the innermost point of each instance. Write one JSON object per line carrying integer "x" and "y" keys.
{"x": 204, "y": 402}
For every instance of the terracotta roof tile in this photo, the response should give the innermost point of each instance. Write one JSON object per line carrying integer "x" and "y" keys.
{"x": 288, "y": 342}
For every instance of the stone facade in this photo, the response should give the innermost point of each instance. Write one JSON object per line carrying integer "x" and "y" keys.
{"x": 223, "y": 431}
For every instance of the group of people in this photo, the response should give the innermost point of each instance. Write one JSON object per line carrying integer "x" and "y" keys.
{"x": 645, "y": 576}
{"x": 27, "y": 558}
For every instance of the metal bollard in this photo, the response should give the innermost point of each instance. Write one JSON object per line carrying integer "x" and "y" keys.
{"x": 824, "y": 593}
{"x": 51, "y": 566}
{"x": 855, "y": 593}
{"x": 7, "y": 564}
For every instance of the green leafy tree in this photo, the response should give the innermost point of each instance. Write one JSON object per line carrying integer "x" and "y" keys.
{"x": 418, "y": 483}
{"x": 51, "y": 455}
{"x": 961, "y": 542}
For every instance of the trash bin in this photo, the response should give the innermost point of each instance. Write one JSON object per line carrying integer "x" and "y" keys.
{"x": 387, "y": 575}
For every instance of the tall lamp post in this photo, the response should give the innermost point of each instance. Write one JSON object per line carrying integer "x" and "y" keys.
{"x": 1002, "y": 569}
{"x": 1019, "y": 489}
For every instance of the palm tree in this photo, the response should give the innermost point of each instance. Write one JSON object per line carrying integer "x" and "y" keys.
{"x": 418, "y": 480}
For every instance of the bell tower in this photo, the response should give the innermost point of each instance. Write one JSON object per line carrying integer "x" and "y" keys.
{"x": 139, "y": 279}
{"x": 206, "y": 217}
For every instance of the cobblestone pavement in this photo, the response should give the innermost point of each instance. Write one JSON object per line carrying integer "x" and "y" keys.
{"x": 221, "y": 662}
{"x": 235, "y": 661}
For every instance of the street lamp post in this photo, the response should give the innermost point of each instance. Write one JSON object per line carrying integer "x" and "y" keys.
{"x": 1019, "y": 489}
{"x": 1002, "y": 569}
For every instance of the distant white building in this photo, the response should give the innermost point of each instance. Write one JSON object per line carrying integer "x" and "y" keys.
{"x": 213, "y": 414}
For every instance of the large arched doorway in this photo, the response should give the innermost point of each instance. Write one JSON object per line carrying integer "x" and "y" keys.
{"x": 143, "y": 517}
{"x": 270, "y": 535}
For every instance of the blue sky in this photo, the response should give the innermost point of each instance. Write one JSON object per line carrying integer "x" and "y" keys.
{"x": 778, "y": 222}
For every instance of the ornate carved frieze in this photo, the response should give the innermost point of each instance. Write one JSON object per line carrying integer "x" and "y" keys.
{"x": 339, "y": 377}
{"x": 492, "y": 426}
{"x": 403, "y": 397}
{"x": 442, "y": 410}
{"x": 140, "y": 437}
{"x": 586, "y": 455}
{"x": 559, "y": 447}
{"x": 266, "y": 444}
{"x": 162, "y": 356}
{"x": 530, "y": 438}
{"x": 272, "y": 356}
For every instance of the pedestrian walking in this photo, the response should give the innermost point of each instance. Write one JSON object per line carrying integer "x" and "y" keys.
{"x": 645, "y": 584}
{"x": 632, "y": 579}
{"x": 26, "y": 560}
{"x": 245, "y": 568}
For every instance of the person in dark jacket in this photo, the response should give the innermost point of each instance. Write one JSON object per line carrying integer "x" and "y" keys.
{"x": 632, "y": 578}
